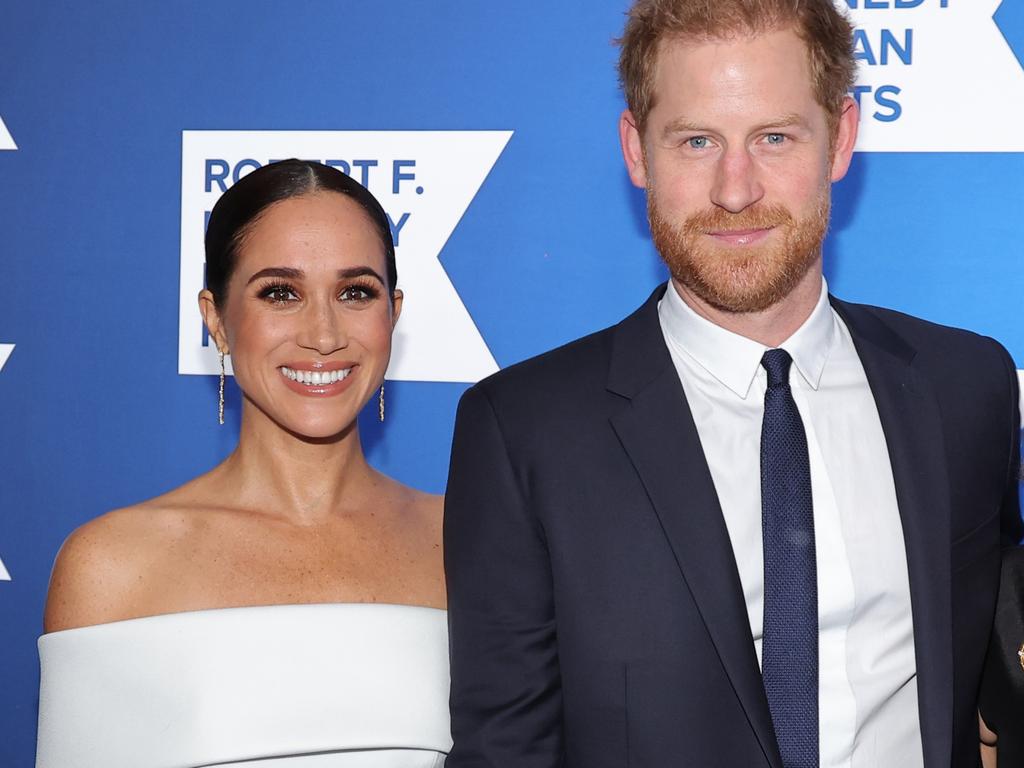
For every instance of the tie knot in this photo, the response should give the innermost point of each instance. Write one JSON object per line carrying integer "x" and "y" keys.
{"x": 777, "y": 363}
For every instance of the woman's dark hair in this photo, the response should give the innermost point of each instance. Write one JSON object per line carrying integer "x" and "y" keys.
{"x": 239, "y": 208}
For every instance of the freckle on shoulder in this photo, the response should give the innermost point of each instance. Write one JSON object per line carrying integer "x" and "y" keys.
{"x": 99, "y": 567}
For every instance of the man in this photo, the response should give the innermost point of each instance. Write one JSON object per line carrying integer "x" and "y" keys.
{"x": 750, "y": 525}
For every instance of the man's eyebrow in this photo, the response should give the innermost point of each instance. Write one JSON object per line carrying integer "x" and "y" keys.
{"x": 344, "y": 274}
{"x": 786, "y": 121}
{"x": 288, "y": 273}
{"x": 683, "y": 125}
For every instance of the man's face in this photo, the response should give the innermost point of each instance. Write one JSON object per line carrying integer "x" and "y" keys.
{"x": 737, "y": 158}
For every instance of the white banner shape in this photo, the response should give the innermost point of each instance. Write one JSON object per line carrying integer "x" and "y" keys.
{"x": 6, "y": 140}
{"x": 4, "y": 573}
{"x": 936, "y": 76}
{"x": 425, "y": 180}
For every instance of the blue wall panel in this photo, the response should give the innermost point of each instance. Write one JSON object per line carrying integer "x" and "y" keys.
{"x": 94, "y": 412}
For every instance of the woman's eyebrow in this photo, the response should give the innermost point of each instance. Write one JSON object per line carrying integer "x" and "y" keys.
{"x": 285, "y": 272}
{"x": 344, "y": 274}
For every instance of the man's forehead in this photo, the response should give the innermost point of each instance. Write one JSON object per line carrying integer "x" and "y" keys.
{"x": 772, "y": 65}
{"x": 780, "y": 43}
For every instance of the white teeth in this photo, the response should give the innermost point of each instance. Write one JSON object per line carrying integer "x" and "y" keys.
{"x": 315, "y": 378}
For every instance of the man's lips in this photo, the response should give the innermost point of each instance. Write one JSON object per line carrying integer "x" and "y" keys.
{"x": 741, "y": 236}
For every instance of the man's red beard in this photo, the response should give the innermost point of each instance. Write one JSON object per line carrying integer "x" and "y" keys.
{"x": 740, "y": 279}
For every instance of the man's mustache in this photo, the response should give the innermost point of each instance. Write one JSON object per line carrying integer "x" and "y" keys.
{"x": 720, "y": 220}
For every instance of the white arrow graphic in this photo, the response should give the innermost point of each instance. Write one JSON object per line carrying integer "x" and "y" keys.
{"x": 6, "y": 140}
{"x": 923, "y": 65}
{"x": 425, "y": 180}
{"x": 4, "y": 574}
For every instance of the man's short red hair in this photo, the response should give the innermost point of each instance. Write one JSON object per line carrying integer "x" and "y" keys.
{"x": 827, "y": 33}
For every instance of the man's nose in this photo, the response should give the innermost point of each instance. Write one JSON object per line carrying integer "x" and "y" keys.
{"x": 737, "y": 184}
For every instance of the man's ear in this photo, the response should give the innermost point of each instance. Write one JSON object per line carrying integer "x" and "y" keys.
{"x": 211, "y": 316}
{"x": 633, "y": 149}
{"x": 845, "y": 139}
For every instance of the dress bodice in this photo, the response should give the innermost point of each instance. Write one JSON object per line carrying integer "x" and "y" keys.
{"x": 316, "y": 686}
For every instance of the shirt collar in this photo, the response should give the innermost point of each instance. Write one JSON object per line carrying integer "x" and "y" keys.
{"x": 735, "y": 360}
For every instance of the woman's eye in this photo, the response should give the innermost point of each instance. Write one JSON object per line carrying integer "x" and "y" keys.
{"x": 279, "y": 294}
{"x": 357, "y": 293}
{"x": 698, "y": 142}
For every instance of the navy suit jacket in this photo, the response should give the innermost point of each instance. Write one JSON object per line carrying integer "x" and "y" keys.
{"x": 595, "y": 607}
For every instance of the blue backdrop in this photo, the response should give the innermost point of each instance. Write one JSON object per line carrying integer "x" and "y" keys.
{"x": 553, "y": 245}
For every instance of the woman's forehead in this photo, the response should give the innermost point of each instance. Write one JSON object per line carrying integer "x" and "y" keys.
{"x": 322, "y": 230}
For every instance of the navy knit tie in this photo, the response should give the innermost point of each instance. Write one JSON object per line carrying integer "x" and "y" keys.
{"x": 789, "y": 658}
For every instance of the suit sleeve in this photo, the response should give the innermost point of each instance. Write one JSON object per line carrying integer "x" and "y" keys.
{"x": 506, "y": 703}
{"x": 1012, "y": 528}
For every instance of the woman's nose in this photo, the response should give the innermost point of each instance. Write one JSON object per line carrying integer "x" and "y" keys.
{"x": 323, "y": 328}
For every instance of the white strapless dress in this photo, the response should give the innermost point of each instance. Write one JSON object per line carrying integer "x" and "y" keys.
{"x": 303, "y": 686}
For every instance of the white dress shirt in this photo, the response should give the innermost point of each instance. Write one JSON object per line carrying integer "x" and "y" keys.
{"x": 867, "y": 678}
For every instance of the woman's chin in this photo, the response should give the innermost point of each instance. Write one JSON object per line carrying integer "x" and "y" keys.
{"x": 313, "y": 420}
{"x": 314, "y": 428}
{"x": 321, "y": 432}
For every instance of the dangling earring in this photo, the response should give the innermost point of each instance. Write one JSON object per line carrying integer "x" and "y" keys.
{"x": 220, "y": 405}
{"x": 380, "y": 401}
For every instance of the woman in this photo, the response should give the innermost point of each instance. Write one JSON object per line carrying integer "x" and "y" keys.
{"x": 284, "y": 606}
{"x": 1001, "y": 704}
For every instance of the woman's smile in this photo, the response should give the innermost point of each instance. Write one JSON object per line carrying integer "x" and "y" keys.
{"x": 318, "y": 379}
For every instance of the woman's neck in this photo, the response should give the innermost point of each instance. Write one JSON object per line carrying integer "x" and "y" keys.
{"x": 299, "y": 479}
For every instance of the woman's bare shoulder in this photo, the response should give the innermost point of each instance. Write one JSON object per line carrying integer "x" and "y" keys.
{"x": 428, "y": 507}
{"x": 100, "y": 569}
{"x": 429, "y": 504}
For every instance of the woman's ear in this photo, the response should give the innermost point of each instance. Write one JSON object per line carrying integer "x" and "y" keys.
{"x": 396, "y": 306}
{"x": 211, "y": 316}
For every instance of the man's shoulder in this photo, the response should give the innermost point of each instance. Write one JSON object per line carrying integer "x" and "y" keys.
{"x": 920, "y": 335}
{"x": 579, "y": 363}
{"x": 579, "y": 367}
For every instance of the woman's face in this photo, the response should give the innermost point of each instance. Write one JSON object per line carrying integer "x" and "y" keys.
{"x": 308, "y": 318}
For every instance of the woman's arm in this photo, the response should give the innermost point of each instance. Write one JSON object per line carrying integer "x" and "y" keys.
{"x": 988, "y": 744}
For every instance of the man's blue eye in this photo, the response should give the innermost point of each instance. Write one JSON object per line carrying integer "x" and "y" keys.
{"x": 775, "y": 138}
{"x": 698, "y": 142}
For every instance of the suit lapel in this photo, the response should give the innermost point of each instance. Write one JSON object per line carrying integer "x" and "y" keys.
{"x": 913, "y": 432}
{"x": 658, "y": 433}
